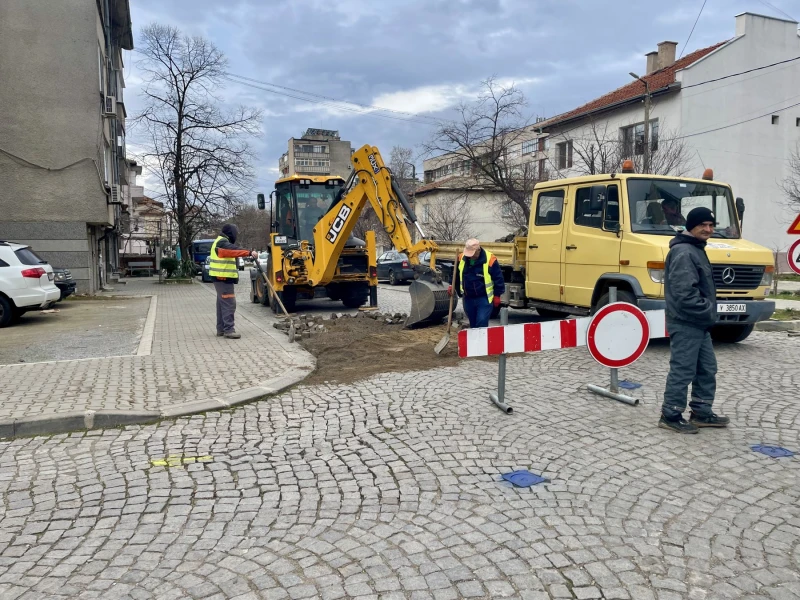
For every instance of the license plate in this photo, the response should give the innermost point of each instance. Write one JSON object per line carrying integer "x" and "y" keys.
{"x": 731, "y": 308}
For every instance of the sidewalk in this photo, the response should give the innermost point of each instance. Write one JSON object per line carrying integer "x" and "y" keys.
{"x": 181, "y": 368}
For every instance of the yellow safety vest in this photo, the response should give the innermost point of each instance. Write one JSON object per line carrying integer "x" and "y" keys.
{"x": 221, "y": 267}
{"x": 486, "y": 277}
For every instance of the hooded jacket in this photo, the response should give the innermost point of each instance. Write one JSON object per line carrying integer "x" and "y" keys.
{"x": 689, "y": 289}
{"x": 227, "y": 248}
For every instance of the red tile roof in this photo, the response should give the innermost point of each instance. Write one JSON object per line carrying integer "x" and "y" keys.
{"x": 453, "y": 182}
{"x": 657, "y": 80}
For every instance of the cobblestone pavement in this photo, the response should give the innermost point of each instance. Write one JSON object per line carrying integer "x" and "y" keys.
{"x": 187, "y": 362}
{"x": 389, "y": 488}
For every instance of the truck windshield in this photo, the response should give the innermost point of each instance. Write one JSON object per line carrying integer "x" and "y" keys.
{"x": 660, "y": 206}
{"x": 311, "y": 202}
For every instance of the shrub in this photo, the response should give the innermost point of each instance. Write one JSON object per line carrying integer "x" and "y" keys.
{"x": 170, "y": 265}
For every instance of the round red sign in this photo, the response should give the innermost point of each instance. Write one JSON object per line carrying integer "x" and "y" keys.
{"x": 618, "y": 335}
{"x": 793, "y": 257}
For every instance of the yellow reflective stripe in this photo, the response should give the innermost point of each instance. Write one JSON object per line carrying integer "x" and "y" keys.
{"x": 487, "y": 279}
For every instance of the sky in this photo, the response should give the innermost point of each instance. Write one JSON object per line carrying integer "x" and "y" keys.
{"x": 421, "y": 58}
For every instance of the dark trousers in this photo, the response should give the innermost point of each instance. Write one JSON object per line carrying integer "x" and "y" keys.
{"x": 478, "y": 311}
{"x": 692, "y": 361}
{"x": 226, "y": 306}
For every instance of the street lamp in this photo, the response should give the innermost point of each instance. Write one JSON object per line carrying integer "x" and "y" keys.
{"x": 646, "y": 168}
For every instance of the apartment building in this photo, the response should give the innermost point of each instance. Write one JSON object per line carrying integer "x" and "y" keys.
{"x": 317, "y": 152}
{"x": 62, "y": 131}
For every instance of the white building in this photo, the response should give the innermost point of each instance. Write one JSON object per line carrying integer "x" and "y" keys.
{"x": 733, "y": 107}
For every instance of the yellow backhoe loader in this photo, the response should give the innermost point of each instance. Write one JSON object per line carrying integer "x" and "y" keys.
{"x": 312, "y": 252}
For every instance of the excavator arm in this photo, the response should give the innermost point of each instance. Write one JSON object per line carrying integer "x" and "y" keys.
{"x": 371, "y": 183}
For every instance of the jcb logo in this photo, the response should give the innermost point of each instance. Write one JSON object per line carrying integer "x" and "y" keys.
{"x": 338, "y": 223}
{"x": 374, "y": 164}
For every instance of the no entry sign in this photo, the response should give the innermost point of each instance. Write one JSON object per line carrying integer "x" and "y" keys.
{"x": 618, "y": 335}
{"x": 793, "y": 257}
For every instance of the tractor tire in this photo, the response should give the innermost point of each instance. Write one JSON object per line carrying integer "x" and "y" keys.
{"x": 334, "y": 292}
{"x": 262, "y": 291}
{"x": 622, "y": 296}
{"x": 289, "y": 298}
{"x": 731, "y": 334}
{"x": 253, "y": 292}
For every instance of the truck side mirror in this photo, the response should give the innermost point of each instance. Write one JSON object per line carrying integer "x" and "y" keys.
{"x": 261, "y": 203}
{"x": 597, "y": 197}
{"x": 740, "y": 208}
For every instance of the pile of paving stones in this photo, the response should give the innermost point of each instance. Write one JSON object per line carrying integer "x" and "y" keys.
{"x": 310, "y": 325}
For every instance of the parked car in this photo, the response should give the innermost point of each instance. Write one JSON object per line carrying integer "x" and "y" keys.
{"x": 64, "y": 282}
{"x": 395, "y": 267}
{"x": 26, "y": 282}
{"x": 204, "y": 276}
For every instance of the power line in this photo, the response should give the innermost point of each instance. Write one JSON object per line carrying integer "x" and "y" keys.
{"x": 688, "y": 135}
{"x": 693, "y": 26}
{"x": 370, "y": 107}
{"x": 773, "y": 7}
{"x": 780, "y": 62}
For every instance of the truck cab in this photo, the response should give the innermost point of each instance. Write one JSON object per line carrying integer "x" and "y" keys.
{"x": 587, "y": 234}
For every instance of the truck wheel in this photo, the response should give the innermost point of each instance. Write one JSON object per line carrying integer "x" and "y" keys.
{"x": 731, "y": 334}
{"x": 5, "y": 312}
{"x": 289, "y": 298}
{"x": 262, "y": 292}
{"x": 622, "y": 296}
{"x": 355, "y": 295}
{"x": 254, "y": 292}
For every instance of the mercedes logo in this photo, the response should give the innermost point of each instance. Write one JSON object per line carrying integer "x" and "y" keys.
{"x": 728, "y": 275}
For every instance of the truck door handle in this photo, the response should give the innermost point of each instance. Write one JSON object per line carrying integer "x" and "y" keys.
{"x": 532, "y": 246}
{"x": 572, "y": 247}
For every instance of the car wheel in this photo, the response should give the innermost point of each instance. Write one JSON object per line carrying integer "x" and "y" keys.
{"x": 6, "y": 313}
{"x": 731, "y": 334}
{"x": 622, "y": 296}
{"x": 393, "y": 278}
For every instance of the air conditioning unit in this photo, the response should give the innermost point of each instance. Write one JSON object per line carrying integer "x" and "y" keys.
{"x": 110, "y": 106}
{"x": 116, "y": 195}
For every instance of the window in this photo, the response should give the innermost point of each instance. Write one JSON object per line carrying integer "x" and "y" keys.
{"x": 3, "y": 263}
{"x": 775, "y": 119}
{"x": 549, "y": 206}
{"x": 564, "y": 155}
{"x": 100, "y": 66}
{"x": 797, "y": 122}
{"x": 529, "y": 146}
{"x": 606, "y": 217}
{"x": 507, "y": 209}
{"x": 28, "y": 257}
{"x": 633, "y": 139}
{"x": 107, "y": 163}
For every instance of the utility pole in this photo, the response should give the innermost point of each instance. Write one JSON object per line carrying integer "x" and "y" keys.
{"x": 646, "y": 167}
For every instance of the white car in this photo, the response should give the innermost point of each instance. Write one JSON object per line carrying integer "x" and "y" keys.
{"x": 26, "y": 282}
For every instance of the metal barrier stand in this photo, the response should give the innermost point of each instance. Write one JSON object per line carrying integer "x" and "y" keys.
{"x": 613, "y": 391}
{"x": 499, "y": 397}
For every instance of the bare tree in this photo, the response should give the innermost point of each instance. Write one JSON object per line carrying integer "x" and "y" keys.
{"x": 672, "y": 156}
{"x": 253, "y": 225}
{"x": 449, "y": 219}
{"x": 791, "y": 184}
{"x": 402, "y": 166}
{"x": 483, "y": 144}
{"x": 598, "y": 152}
{"x": 196, "y": 149}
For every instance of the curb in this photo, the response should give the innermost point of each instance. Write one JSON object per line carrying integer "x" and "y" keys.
{"x": 103, "y": 419}
{"x": 778, "y": 326}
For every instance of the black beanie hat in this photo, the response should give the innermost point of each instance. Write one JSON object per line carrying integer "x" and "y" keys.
{"x": 230, "y": 231}
{"x": 699, "y": 215}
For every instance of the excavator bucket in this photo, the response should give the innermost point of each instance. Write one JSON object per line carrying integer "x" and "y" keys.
{"x": 429, "y": 303}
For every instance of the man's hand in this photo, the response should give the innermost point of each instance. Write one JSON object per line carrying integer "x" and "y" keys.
{"x": 449, "y": 290}
{"x": 254, "y": 254}
{"x": 496, "y": 301}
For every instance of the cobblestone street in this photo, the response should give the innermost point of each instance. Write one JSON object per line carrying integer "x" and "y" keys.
{"x": 389, "y": 488}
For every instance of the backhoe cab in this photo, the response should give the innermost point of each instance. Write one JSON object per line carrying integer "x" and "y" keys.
{"x": 312, "y": 251}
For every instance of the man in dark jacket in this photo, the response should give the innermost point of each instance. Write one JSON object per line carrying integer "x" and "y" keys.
{"x": 479, "y": 280}
{"x": 223, "y": 271}
{"x": 691, "y": 299}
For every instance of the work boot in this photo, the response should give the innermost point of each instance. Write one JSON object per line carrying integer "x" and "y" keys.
{"x": 679, "y": 425}
{"x": 709, "y": 420}
{"x": 232, "y": 335}
{"x": 220, "y": 334}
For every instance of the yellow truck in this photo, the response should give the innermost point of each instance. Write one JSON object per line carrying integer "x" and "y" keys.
{"x": 587, "y": 234}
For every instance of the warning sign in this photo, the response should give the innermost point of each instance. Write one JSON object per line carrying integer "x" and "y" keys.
{"x": 794, "y": 228}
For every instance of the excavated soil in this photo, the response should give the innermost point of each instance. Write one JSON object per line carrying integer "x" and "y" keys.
{"x": 353, "y": 349}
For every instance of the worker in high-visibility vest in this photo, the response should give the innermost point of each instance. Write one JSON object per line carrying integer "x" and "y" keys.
{"x": 479, "y": 280}
{"x": 223, "y": 270}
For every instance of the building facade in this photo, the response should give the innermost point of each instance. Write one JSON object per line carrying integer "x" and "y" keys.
{"x": 62, "y": 131}
{"x": 731, "y": 107}
{"x": 317, "y": 152}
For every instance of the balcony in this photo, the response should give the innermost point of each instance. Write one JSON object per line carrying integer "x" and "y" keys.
{"x": 312, "y": 170}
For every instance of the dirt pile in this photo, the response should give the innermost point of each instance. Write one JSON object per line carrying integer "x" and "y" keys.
{"x": 353, "y": 348}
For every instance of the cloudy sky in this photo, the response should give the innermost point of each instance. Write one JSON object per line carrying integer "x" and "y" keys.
{"x": 420, "y": 58}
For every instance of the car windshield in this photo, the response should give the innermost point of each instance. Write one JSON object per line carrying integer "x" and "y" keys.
{"x": 660, "y": 206}
{"x": 203, "y": 247}
{"x": 263, "y": 256}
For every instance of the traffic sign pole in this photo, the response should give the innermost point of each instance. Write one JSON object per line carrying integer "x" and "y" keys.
{"x": 613, "y": 391}
{"x": 500, "y": 397}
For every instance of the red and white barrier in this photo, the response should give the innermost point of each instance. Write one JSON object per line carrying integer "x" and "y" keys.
{"x": 536, "y": 337}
